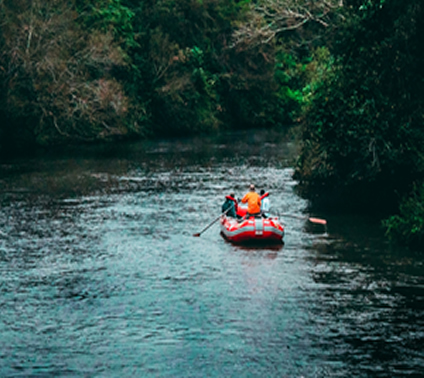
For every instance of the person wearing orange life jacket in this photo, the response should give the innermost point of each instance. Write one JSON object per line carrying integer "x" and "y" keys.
{"x": 253, "y": 201}
{"x": 230, "y": 204}
{"x": 265, "y": 205}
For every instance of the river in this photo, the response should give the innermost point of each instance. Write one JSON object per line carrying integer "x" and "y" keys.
{"x": 100, "y": 274}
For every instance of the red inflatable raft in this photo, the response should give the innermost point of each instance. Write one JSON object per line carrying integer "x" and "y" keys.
{"x": 252, "y": 230}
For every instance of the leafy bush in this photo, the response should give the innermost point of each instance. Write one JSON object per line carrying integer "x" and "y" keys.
{"x": 363, "y": 137}
{"x": 408, "y": 226}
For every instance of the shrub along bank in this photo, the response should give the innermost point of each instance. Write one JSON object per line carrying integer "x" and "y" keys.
{"x": 363, "y": 136}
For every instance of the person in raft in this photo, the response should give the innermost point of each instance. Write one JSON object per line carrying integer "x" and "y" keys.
{"x": 230, "y": 204}
{"x": 253, "y": 202}
{"x": 265, "y": 204}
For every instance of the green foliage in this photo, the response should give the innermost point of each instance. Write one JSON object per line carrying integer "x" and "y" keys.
{"x": 87, "y": 70}
{"x": 408, "y": 226}
{"x": 189, "y": 97}
{"x": 109, "y": 16}
{"x": 363, "y": 133}
{"x": 184, "y": 61}
{"x": 298, "y": 79}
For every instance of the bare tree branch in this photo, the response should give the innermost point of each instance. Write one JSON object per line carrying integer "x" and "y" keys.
{"x": 272, "y": 17}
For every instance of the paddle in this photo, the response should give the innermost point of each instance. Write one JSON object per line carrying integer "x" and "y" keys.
{"x": 210, "y": 224}
{"x": 312, "y": 220}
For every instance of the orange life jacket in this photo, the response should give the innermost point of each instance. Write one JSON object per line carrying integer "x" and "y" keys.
{"x": 253, "y": 202}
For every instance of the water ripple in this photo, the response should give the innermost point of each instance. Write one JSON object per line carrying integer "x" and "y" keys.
{"x": 101, "y": 276}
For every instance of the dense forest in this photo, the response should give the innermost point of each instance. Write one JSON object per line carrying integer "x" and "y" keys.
{"x": 345, "y": 75}
{"x": 363, "y": 133}
{"x": 81, "y": 71}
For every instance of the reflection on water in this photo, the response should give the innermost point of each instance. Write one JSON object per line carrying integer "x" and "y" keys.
{"x": 101, "y": 276}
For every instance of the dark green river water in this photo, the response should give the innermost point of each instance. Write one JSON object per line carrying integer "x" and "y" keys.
{"x": 100, "y": 275}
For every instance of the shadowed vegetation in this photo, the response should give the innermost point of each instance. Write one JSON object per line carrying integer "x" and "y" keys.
{"x": 363, "y": 133}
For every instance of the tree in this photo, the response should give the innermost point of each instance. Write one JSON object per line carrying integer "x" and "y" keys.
{"x": 363, "y": 134}
{"x": 57, "y": 75}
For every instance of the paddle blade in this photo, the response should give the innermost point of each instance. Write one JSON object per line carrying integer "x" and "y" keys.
{"x": 197, "y": 235}
{"x": 317, "y": 221}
